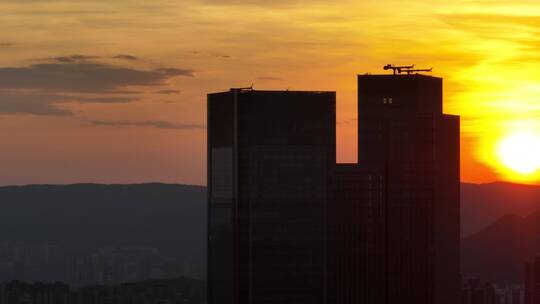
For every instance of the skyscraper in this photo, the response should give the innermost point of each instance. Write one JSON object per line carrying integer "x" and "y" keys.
{"x": 403, "y": 133}
{"x": 354, "y": 215}
{"x": 269, "y": 157}
{"x": 289, "y": 225}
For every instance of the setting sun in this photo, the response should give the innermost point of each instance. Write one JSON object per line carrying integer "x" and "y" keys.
{"x": 520, "y": 152}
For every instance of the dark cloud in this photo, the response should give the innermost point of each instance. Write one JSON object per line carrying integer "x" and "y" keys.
{"x": 168, "y": 92}
{"x": 126, "y": 57}
{"x": 74, "y": 58}
{"x": 150, "y": 123}
{"x": 47, "y": 104}
{"x": 211, "y": 54}
{"x": 83, "y": 77}
{"x": 175, "y": 72}
{"x": 103, "y": 99}
{"x": 42, "y": 89}
{"x": 31, "y": 104}
{"x": 7, "y": 44}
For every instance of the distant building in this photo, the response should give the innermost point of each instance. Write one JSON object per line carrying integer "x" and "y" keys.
{"x": 166, "y": 291}
{"x": 532, "y": 281}
{"x": 289, "y": 225}
{"x": 109, "y": 266}
{"x": 25, "y": 261}
{"x": 163, "y": 291}
{"x": 16, "y": 292}
{"x": 475, "y": 291}
{"x": 511, "y": 294}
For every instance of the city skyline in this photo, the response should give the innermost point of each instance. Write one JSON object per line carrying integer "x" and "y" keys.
{"x": 286, "y": 223}
{"x": 282, "y": 151}
{"x": 147, "y": 121}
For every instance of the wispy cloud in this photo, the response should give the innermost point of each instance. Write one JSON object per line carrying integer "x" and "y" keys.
{"x": 275, "y": 3}
{"x": 149, "y": 123}
{"x": 99, "y": 99}
{"x": 31, "y": 104}
{"x": 74, "y": 58}
{"x": 171, "y": 72}
{"x": 346, "y": 121}
{"x": 7, "y": 44}
{"x": 168, "y": 92}
{"x": 126, "y": 57}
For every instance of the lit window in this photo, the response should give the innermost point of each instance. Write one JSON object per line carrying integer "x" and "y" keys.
{"x": 390, "y": 100}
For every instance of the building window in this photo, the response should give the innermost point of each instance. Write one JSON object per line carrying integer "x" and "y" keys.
{"x": 387, "y": 100}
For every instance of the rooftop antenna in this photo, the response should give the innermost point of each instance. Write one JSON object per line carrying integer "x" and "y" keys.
{"x": 243, "y": 89}
{"x": 398, "y": 69}
{"x": 409, "y": 69}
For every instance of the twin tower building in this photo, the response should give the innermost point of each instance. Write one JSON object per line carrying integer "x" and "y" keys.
{"x": 288, "y": 225}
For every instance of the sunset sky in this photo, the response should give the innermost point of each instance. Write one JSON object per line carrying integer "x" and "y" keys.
{"x": 115, "y": 91}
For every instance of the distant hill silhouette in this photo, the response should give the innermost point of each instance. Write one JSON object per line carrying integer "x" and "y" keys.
{"x": 482, "y": 204}
{"x": 501, "y": 227}
{"x": 85, "y": 217}
{"x": 172, "y": 218}
{"x": 499, "y": 251}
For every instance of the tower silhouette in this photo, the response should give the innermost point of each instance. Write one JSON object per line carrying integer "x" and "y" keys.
{"x": 289, "y": 225}
{"x": 269, "y": 158}
{"x": 403, "y": 133}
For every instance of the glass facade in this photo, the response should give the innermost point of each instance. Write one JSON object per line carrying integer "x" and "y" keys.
{"x": 221, "y": 200}
{"x": 269, "y": 159}
{"x": 415, "y": 147}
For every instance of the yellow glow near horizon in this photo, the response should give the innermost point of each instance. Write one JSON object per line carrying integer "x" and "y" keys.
{"x": 520, "y": 152}
{"x": 514, "y": 155}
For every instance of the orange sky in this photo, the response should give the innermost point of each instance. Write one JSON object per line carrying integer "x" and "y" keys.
{"x": 114, "y": 91}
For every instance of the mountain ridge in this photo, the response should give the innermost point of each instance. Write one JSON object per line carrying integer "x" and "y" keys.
{"x": 498, "y": 221}
{"x": 499, "y": 252}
